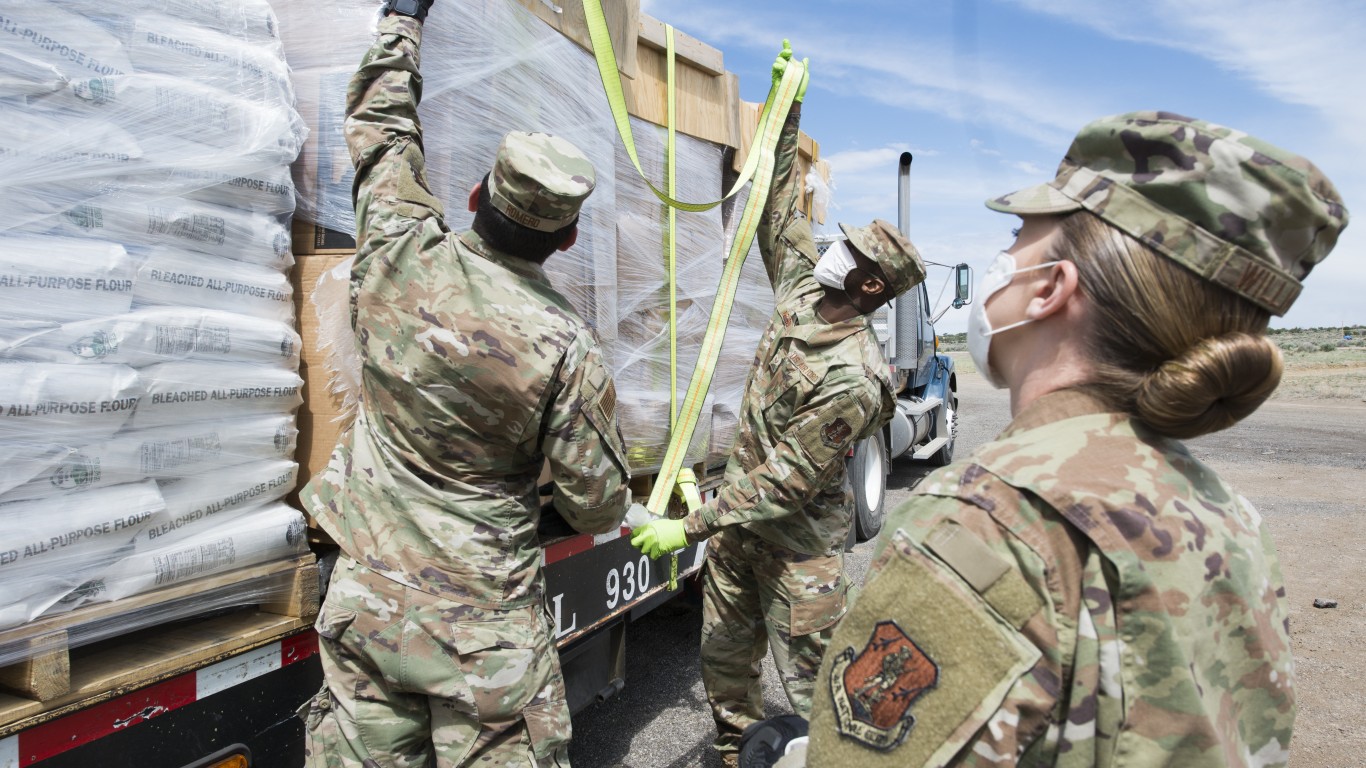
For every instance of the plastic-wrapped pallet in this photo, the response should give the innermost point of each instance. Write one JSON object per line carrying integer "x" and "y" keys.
{"x": 148, "y": 359}
{"x": 641, "y": 349}
{"x": 490, "y": 67}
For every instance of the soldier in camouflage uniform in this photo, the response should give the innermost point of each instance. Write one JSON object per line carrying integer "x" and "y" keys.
{"x": 1082, "y": 591}
{"x": 435, "y": 641}
{"x": 775, "y": 562}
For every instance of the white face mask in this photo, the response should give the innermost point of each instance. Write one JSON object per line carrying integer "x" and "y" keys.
{"x": 997, "y": 276}
{"x": 834, "y": 265}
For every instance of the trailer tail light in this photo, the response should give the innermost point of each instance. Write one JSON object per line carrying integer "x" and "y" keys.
{"x": 235, "y": 756}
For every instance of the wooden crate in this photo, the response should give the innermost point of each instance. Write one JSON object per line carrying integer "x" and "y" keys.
{"x": 61, "y": 676}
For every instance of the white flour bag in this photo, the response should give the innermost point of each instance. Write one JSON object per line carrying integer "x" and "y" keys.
{"x": 21, "y": 75}
{"x": 49, "y": 547}
{"x": 191, "y": 391}
{"x": 76, "y": 46}
{"x": 180, "y": 223}
{"x": 246, "y": 19}
{"x": 158, "y": 335}
{"x": 250, "y": 70}
{"x": 40, "y": 150}
{"x": 34, "y": 470}
{"x": 152, "y": 106}
{"x": 206, "y": 499}
{"x": 272, "y": 532}
{"x": 178, "y": 278}
{"x": 57, "y": 279}
{"x": 55, "y": 403}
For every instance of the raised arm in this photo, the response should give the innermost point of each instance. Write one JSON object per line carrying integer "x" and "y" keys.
{"x": 384, "y": 137}
{"x": 784, "y": 233}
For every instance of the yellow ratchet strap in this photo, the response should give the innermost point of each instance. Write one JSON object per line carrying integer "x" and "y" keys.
{"x": 616, "y": 99}
{"x": 674, "y": 479}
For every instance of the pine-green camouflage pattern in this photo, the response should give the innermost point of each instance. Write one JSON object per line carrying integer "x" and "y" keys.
{"x": 754, "y": 594}
{"x": 1098, "y": 597}
{"x": 895, "y": 255}
{"x": 475, "y": 372}
{"x": 418, "y": 681}
{"x": 1236, "y": 210}
{"x": 539, "y": 180}
{"x": 816, "y": 388}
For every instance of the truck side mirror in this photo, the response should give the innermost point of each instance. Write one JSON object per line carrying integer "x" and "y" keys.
{"x": 962, "y": 279}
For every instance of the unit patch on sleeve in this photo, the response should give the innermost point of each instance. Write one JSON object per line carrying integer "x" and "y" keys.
{"x": 835, "y": 433}
{"x": 873, "y": 691}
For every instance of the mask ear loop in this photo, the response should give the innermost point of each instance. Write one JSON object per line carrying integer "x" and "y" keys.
{"x": 995, "y": 331}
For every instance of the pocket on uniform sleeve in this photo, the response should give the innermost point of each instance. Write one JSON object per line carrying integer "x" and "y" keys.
{"x": 916, "y": 668}
{"x": 599, "y": 395}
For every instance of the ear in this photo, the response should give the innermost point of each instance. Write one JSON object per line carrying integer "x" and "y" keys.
{"x": 872, "y": 286}
{"x": 474, "y": 196}
{"x": 569, "y": 239}
{"x": 1053, "y": 291}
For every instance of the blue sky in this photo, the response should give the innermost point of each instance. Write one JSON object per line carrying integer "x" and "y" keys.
{"x": 987, "y": 95}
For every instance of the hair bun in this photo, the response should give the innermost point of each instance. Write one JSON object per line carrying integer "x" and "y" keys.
{"x": 1211, "y": 386}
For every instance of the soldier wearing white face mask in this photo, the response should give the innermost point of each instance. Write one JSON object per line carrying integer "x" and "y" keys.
{"x": 998, "y": 275}
{"x": 775, "y": 570}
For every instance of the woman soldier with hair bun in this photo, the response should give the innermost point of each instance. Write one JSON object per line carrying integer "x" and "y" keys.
{"x": 1082, "y": 591}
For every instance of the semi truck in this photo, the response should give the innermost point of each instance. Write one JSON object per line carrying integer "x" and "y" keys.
{"x": 925, "y": 423}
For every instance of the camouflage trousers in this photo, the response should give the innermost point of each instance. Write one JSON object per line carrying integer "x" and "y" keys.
{"x": 413, "y": 681}
{"x": 756, "y": 594}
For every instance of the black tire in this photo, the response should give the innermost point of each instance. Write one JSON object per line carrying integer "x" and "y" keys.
{"x": 944, "y": 456}
{"x": 867, "y": 470}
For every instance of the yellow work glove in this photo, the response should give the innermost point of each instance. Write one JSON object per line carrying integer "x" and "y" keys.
{"x": 780, "y": 66}
{"x": 660, "y": 537}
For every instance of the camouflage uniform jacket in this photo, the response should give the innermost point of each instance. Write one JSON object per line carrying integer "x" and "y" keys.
{"x": 475, "y": 370}
{"x": 815, "y": 389}
{"x": 1081, "y": 592}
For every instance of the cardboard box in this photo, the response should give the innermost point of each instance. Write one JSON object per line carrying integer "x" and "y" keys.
{"x": 319, "y": 418}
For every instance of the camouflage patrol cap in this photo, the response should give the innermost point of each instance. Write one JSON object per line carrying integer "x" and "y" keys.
{"x": 1235, "y": 210}
{"x": 539, "y": 180}
{"x": 884, "y": 244}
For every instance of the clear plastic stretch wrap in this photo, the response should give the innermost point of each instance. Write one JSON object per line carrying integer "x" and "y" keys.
{"x": 148, "y": 355}
{"x": 491, "y": 67}
{"x": 641, "y": 347}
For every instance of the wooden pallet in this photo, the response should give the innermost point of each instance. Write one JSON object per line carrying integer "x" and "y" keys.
{"x": 63, "y": 673}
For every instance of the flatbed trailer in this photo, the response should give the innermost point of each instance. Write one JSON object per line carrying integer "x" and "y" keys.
{"x": 221, "y": 688}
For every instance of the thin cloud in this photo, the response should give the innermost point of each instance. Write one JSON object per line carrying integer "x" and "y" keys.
{"x": 890, "y": 69}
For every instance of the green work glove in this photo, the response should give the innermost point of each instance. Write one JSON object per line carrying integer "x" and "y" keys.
{"x": 780, "y": 66}
{"x": 659, "y": 537}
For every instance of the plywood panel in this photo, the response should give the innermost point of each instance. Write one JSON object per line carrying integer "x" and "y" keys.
{"x": 622, "y": 25}
{"x": 706, "y": 102}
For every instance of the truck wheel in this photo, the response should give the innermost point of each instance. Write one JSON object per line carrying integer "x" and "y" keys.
{"x": 944, "y": 456}
{"x": 868, "y": 479}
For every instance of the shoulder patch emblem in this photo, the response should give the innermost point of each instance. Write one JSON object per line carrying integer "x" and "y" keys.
{"x": 835, "y": 433}
{"x": 873, "y": 691}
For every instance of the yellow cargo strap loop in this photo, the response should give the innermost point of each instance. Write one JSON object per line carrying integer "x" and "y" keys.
{"x": 674, "y": 479}
{"x": 616, "y": 99}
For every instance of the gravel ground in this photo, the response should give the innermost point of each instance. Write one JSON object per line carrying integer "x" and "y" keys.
{"x": 1303, "y": 464}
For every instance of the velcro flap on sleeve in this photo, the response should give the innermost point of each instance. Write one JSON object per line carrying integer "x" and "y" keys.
{"x": 1000, "y": 584}
{"x": 917, "y": 666}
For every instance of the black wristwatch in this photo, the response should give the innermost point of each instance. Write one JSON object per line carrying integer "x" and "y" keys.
{"x": 415, "y": 8}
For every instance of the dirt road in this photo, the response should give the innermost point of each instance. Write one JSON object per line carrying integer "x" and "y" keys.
{"x": 1303, "y": 464}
